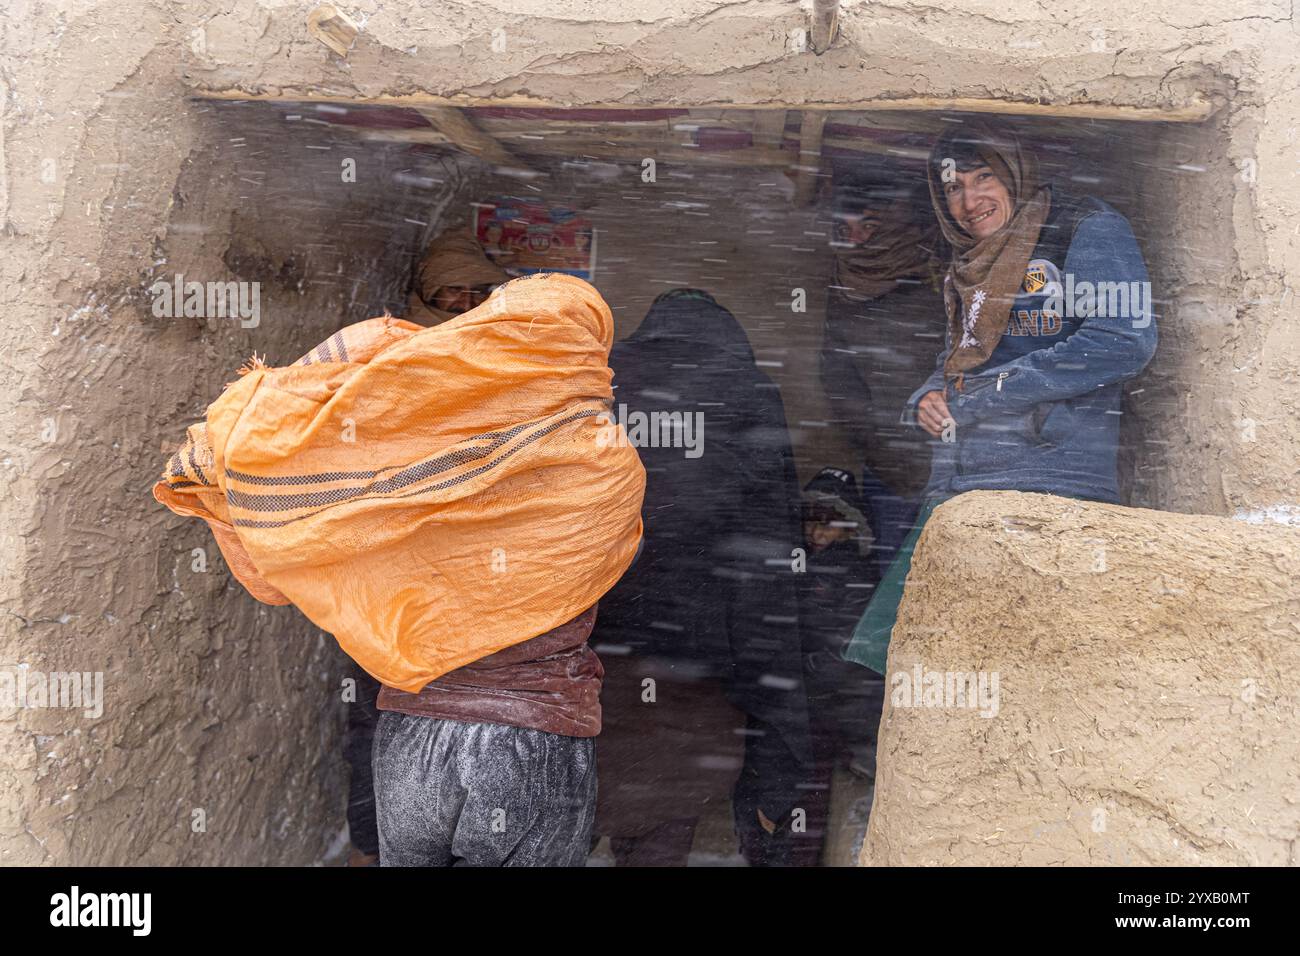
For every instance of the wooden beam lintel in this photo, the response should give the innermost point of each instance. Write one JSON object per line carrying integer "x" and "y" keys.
{"x": 1197, "y": 111}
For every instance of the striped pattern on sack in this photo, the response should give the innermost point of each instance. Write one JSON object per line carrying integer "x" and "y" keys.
{"x": 429, "y": 496}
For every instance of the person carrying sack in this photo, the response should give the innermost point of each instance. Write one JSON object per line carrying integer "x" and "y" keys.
{"x": 454, "y": 275}
{"x": 443, "y": 502}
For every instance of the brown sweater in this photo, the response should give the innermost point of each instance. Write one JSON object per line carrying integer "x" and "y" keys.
{"x": 549, "y": 683}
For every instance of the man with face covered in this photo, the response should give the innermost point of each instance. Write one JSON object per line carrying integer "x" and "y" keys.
{"x": 880, "y": 332}
{"x": 880, "y": 339}
{"x": 454, "y": 277}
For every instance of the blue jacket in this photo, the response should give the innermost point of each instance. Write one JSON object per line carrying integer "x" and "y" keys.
{"x": 1042, "y": 414}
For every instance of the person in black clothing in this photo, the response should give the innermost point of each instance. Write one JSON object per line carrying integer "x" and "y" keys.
{"x": 358, "y": 741}
{"x": 700, "y": 639}
{"x": 833, "y": 593}
{"x": 883, "y": 327}
{"x": 844, "y": 710}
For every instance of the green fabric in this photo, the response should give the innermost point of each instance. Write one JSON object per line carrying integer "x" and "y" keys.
{"x": 870, "y": 644}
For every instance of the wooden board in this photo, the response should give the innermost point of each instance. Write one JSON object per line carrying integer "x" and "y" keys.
{"x": 1200, "y": 109}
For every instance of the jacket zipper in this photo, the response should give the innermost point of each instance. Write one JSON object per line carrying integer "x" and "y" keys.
{"x": 978, "y": 382}
{"x": 997, "y": 386}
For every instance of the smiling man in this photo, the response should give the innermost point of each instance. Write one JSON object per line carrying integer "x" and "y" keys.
{"x": 978, "y": 201}
{"x": 1026, "y": 396}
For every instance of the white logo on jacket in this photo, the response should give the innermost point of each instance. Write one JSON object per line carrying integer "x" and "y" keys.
{"x": 968, "y": 339}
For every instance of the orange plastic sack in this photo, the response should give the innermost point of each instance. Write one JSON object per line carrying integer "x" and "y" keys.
{"x": 428, "y": 496}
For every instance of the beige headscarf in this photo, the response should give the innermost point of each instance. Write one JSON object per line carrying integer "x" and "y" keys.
{"x": 900, "y": 248}
{"x": 986, "y": 275}
{"x": 454, "y": 258}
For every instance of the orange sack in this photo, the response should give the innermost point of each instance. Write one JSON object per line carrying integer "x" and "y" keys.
{"x": 429, "y": 496}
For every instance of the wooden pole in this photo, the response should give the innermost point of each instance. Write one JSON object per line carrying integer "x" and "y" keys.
{"x": 1198, "y": 110}
{"x": 456, "y": 126}
{"x": 825, "y": 22}
{"x": 810, "y": 157}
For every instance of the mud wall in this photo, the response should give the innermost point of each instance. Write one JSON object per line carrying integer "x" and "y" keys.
{"x": 1141, "y": 704}
{"x": 215, "y": 740}
{"x": 109, "y": 179}
{"x": 1212, "y": 422}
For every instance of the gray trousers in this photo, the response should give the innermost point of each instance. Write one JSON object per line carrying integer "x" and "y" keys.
{"x": 449, "y": 793}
